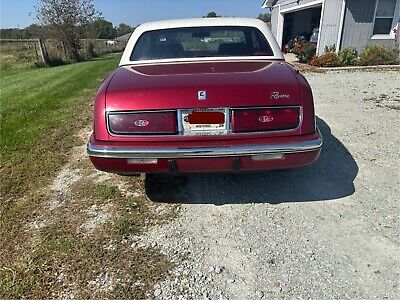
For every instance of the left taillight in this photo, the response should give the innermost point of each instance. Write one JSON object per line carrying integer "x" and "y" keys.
{"x": 143, "y": 123}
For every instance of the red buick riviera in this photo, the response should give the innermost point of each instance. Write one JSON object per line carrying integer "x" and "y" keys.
{"x": 203, "y": 95}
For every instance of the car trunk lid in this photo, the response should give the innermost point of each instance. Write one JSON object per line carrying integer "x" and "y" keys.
{"x": 271, "y": 88}
{"x": 202, "y": 85}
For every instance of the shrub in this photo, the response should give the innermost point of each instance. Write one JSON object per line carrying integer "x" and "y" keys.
{"x": 51, "y": 62}
{"x": 5, "y": 66}
{"x": 378, "y": 55}
{"x": 304, "y": 52}
{"x": 328, "y": 59}
{"x": 331, "y": 48}
{"x": 348, "y": 57}
{"x": 56, "y": 61}
{"x": 297, "y": 48}
{"x": 91, "y": 53}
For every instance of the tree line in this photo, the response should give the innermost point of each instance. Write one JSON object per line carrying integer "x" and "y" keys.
{"x": 70, "y": 21}
{"x": 98, "y": 29}
{"x": 263, "y": 17}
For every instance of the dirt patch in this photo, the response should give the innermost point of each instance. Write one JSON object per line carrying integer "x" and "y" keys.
{"x": 96, "y": 217}
{"x": 104, "y": 282}
{"x": 60, "y": 188}
{"x": 391, "y": 101}
{"x": 307, "y": 68}
{"x": 80, "y": 239}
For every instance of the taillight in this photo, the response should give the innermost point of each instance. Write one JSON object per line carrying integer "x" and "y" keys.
{"x": 265, "y": 119}
{"x": 143, "y": 123}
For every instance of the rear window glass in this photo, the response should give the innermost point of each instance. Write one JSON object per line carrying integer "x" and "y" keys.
{"x": 201, "y": 42}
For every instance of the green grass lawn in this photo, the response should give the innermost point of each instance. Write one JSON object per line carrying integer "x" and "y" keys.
{"x": 40, "y": 111}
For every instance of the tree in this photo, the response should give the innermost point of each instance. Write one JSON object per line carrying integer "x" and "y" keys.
{"x": 212, "y": 14}
{"x": 67, "y": 18}
{"x": 265, "y": 17}
{"x": 123, "y": 29}
{"x": 100, "y": 29}
{"x": 33, "y": 31}
{"x": 11, "y": 33}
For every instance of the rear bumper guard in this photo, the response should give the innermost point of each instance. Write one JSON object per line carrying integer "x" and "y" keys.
{"x": 199, "y": 152}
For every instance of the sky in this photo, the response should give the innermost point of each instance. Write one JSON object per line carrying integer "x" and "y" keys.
{"x": 20, "y": 13}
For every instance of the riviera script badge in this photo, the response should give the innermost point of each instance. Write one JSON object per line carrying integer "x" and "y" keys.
{"x": 277, "y": 96}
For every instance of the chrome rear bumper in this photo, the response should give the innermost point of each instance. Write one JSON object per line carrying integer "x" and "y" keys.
{"x": 171, "y": 153}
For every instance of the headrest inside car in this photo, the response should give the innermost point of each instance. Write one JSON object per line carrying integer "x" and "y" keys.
{"x": 169, "y": 50}
{"x": 232, "y": 49}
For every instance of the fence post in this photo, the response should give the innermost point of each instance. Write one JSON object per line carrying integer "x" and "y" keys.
{"x": 41, "y": 52}
{"x": 64, "y": 50}
{"x": 36, "y": 50}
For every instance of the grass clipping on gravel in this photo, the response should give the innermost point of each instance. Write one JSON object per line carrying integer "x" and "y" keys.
{"x": 96, "y": 264}
{"x": 82, "y": 248}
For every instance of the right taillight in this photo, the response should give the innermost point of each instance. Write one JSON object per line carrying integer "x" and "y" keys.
{"x": 143, "y": 123}
{"x": 265, "y": 119}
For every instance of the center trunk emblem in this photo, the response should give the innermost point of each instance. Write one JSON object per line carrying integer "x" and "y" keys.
{"x": 202, "y": 95}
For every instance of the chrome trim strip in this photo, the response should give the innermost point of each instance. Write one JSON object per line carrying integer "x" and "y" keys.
{"x": 171, "y": 153}
{"x": 180, "y": 124}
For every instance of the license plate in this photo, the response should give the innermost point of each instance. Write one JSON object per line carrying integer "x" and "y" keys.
{"x": 210, "y": 121}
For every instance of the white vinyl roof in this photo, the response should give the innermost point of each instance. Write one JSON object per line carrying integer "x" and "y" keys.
{"x": 200, "y": 22}
{"x": 221, "y": 21}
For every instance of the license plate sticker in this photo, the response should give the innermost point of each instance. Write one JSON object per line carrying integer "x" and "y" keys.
{"x": 210, "y": 121}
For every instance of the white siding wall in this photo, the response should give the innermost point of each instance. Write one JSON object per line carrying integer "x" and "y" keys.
{"x": 274, "y": 21}
{"x": 359, "y": 24}
{"x": 330, "y": 26}
{"x": 354, "y": 30}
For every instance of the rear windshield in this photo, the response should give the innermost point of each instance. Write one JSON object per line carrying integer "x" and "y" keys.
{"x": 201, "y": 42}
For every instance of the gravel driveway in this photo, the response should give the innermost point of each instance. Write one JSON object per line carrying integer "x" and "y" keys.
{"x": 326, "y": 231}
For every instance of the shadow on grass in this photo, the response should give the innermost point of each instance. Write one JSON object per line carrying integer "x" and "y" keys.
{"x": 330, "y": 178}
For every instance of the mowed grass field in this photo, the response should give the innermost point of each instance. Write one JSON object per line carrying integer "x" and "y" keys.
{"x": 65, "y": 228}
{"x": 41, "y": 110}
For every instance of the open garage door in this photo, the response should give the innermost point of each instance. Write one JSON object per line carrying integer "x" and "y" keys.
{"x": 301, "y": 23}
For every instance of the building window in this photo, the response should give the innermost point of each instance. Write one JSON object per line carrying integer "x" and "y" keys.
{"x": 384, "y": 16}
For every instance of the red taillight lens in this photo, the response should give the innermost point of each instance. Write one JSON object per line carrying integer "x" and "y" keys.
{"x": 265, "y": 119}
{"x": 143, "y": 123}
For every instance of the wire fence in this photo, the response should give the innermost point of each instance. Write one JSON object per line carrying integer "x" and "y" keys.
{"x": 27, "y": 53}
